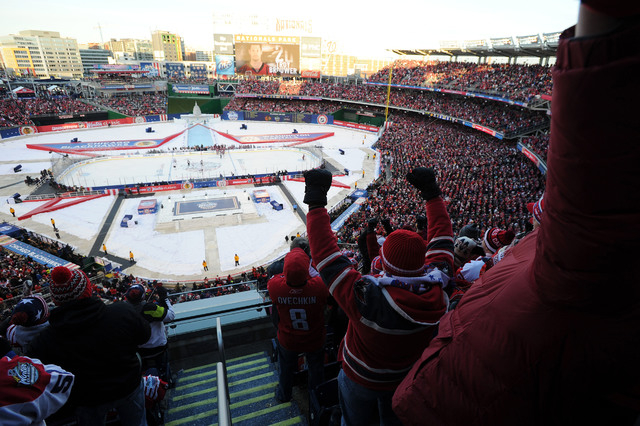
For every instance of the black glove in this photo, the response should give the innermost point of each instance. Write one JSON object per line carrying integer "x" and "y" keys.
{"x": 424, "y": 180}
{"x": 421, "y": 222}
{"x": 371, "y": 224}
{"x": 317, "y": 183}
{"x": 386, "y": 222}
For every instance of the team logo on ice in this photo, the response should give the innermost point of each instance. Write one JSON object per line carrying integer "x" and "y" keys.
{"x": 145, "y": 143}
{"x": 322, "y": 119}
{"x": 249, "y": 139}
{"x": 24, "y": 373}
{"x": 208, "y": 205}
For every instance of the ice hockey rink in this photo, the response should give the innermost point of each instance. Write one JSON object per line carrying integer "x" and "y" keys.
{"x": 172, "y": 247}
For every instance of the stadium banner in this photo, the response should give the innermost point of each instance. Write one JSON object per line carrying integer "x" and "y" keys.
{"x": 199, "y": 71}
{"x": 233, "y": 115}
{"x": 175, "y": 70}
{"x": 84, "y": 125}
{"x": 10, "y": 133}
{"x": 198, "y": 89}
{"x": 358, "y": 126}
{"x": 289, "y": 97}
{"x": 267, "y": 55}
{"x": 225, "y": 64}
{"x": 10, "y": 230}
{"x": 279, "y": 117}
{"x": 353, "y": 208}
{"x": 125, "y": 86}
{"x": 311, "y": 47}
{"x": 40, "y": 256}
{"x": 115, "y": 67}
{"x": 154, "y": 188}
{"x": 152, "y": 68}
{"x": 541, "y": 165}
{"x": 285, "y": 137}
{"x": 223, "y": 44}
{"x": 310, "y": 74}
{"x": 454, "y": 92}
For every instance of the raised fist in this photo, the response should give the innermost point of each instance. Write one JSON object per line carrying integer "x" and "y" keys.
{"x": 317, "y": 183}
{"x": 424, "y": 180}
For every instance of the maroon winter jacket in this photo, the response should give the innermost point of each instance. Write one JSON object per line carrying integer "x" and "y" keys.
{"x": 551, "y": 335}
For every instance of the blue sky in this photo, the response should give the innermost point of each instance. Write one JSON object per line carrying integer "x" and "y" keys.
{"x": 359, "y": 27}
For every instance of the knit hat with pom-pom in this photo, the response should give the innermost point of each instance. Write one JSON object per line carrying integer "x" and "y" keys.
{"x": 69, "y": 285}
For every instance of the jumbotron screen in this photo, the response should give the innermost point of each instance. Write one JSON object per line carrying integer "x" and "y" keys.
{"x": 267, "y": 55}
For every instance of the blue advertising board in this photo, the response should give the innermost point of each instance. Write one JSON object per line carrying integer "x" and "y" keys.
{"x": 40, "y": 256}
{"x": 225, "y": 64}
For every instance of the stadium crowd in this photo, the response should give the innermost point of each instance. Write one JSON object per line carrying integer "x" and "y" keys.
{"x": 511, "y": 81}
{"x": 495, "y": 115}
{"x": 136, "y": 104}
{"x": 483, "y": 180}
{"x": 18, "y": 112}
{"x": 538, "y": 144}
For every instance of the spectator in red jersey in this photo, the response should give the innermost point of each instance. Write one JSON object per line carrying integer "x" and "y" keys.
{"x": 392, "y": 316}
{"x": 299, "y": 302}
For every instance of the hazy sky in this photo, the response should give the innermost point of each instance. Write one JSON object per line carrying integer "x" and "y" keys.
{"x": 364, "y": 27}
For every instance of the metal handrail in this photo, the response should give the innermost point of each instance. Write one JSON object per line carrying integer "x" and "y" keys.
{"x": 224, "y": 411}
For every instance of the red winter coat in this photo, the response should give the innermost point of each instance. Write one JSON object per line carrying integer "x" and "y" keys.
{"x": 551, "y": 335}
{"x": 388, "y": 327}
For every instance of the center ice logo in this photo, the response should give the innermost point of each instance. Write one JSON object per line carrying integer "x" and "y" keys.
{"x": 208, "y": 205}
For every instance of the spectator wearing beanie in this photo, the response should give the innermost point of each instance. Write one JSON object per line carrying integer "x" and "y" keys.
{"x": 29, "y": 317}
{"x": 154, "y": 351}
{"x": 495, "y": 238}
{"x": 299, "y": 320}
{"x": 393, "y": 315}
{"x": 98, "y": 344}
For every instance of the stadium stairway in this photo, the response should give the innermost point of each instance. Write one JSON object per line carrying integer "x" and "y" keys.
{"x": 252, "y": 381}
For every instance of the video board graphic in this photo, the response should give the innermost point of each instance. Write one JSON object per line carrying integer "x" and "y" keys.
{"x": 267, "y": 55}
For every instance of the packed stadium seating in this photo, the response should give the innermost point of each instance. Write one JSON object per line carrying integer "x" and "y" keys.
{"x": 136, "y": 104}
{"x": 495, "y": 115}
{"x": 512, "y": 81}
{"x": 17, "y": 112}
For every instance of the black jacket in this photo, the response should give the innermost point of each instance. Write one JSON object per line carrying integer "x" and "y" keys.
{"x": 97, "y": 343}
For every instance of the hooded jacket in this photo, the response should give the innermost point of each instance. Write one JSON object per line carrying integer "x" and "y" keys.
{"x": 299, "y": 301}
{"x": 543, "y": 338}
{"x": 98, "y": 344}
{"x": 389, "y": 327}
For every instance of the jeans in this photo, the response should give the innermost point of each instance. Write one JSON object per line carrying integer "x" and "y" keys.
{"x": 130, "y": 410}
{"x": 288, "y": 362}
{"x": 358, "y": 403}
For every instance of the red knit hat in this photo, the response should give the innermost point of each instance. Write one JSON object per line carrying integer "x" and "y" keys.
{"x": 403, "y": 253}
{"x": 69, "y": 285}
{"x": 495, "y": 238}
{"x": 296, "y": 267}
{"x": 536, "y": 209}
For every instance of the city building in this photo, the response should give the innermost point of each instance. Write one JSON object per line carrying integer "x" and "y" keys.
{"x": 131, "y": 49}
{"x": 91, "y": 57}
{"x": 50, "y": 54}
{"x": 16, "y": 61}
{"x": 167, "y": 46}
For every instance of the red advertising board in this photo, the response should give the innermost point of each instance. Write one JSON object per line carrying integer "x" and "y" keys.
{"x": 310, "y": 74}
{"x": 484, "y": 129}
{"x": 356, "y": 126}
{"x": 84, "y": 125}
